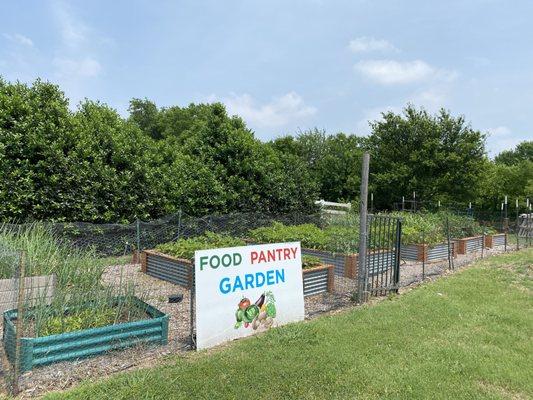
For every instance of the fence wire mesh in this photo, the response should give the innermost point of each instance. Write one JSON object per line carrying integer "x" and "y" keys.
{"x": 75, "y": 279}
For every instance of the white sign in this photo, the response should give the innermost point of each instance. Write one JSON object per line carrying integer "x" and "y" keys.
{"x": 248, "y": 289}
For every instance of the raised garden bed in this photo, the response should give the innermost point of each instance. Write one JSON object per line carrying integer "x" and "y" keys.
{"x": 427, "y": 253}
{"x": 180, "y": 272}
{"x": 343, "y": 264}
{"x": 469, "y": 244}
{"x": 44, "y": 350}
{"x": 318, "y": 280}
{"x": 498, "y": 239}
{"x": 171, "y": 269}
{"x": 333, "y": 245}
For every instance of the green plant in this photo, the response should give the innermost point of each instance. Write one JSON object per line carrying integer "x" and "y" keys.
{"x": 79, "y": 289}
{"x": 338, "y": 237}
{"x": 185, "y": 248}
{"x": 84, "y": 319}
{"x": 431, "y": 228}
{"x": 309, "y": 262}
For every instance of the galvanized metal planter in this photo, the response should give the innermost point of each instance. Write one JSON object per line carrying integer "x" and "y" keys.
{"x": 427, "y": 253}
{"x": 46, "y": 350}
{"x": 344, "y": 264}
{"x": 318, "y": 280}
{"x": 180, "y": 272}
{"x": 498, "y": 239}
{"x": 380, "y": 261}
{"x": 167, "y": 268}
{"x": 469, "y": 245}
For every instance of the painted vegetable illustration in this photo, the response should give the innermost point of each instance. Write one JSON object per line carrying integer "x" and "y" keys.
{"x": 244, "y": 303}
{"x": 261, "y": 313}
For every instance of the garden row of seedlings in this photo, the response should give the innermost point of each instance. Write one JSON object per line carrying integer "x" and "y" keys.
{"x": 68, "y": 312}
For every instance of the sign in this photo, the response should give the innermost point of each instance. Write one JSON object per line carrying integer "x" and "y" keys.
{"x": 248, "y": 289}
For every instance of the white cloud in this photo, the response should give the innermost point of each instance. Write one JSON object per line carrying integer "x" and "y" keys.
{"x": 278, "y": 112}
{"x": 365, "y": 44}
{"x": 73, "y": 32}
{"x": 390, "y": 72}
{"x": 75, "y": 62}
{"x": 499, "y": 131}
{"x": 69, "y": 68}
{"x": 19, "y": 39}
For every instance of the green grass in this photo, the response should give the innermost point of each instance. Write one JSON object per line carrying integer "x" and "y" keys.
{"x": 466, "y": 336}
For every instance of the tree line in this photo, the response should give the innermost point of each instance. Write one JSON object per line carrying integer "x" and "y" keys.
{"x": 94, "y": 165}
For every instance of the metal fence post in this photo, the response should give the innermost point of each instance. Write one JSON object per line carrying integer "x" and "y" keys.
{"x": 517, "y": 228}
{"x": 424, "y": 256}
{"x": 362, "y": 284}
{"x": 20, "y": 321}
{"x": 179, "y": 224}
{"x": 138, "y": 234}
{"x": 398, "y": 251}
{"x": 450, "y": 255}
{"x": 192, "y": 310}
{"x": 482, "y": 243}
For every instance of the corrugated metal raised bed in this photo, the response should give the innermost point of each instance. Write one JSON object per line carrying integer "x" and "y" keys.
{"x": 344, "y": 264}
{"x": 469, "y": 245}
{"x": 318, "y": 280}
{"x": 46, "y": 350}
{"x": 167, "y": 268}
{"x": 498, "y": 239}
{"x": 380, "y": 260}
{"x": 179, "y": 271}
{"x": 424, "y": 252}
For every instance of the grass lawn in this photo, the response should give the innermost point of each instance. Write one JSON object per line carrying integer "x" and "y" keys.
{"x": 465, "y": 336}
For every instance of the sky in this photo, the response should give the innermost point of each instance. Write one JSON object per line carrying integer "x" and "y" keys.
{"x": 286, "y": 66}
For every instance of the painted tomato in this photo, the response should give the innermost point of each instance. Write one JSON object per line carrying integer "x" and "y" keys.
{"x": 244, "y": 303}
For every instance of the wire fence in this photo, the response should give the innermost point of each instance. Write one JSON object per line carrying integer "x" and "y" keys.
{"x": 66, "y": 296}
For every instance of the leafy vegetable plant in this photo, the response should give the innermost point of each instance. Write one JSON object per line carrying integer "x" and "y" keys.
{"x": 185, "y": 248}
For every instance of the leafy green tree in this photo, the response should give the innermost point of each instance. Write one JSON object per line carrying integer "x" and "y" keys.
{"x": 146, "y": 115}
{"x": 439, "y": 156}
{"x": 332, "y": 161}
{"x": 35, "y": 137}
{"x": 522, "y": 152}
{"x": 511, "y": 175}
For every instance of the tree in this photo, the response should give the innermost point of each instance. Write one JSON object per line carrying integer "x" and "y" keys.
{"x": 145, "y": 114}
{"x": 35, "y": 138}
{"x": 511, "y": 175}
{"x": 438, "y": 156}
{"x": 522, "y": 152}
{"x": 332, "y": 161}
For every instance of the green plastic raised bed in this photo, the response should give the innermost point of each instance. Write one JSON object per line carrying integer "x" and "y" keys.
{"x": 46, "y": 350}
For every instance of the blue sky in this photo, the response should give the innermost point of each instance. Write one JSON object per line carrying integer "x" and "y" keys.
{"x": 286, "y": 65}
